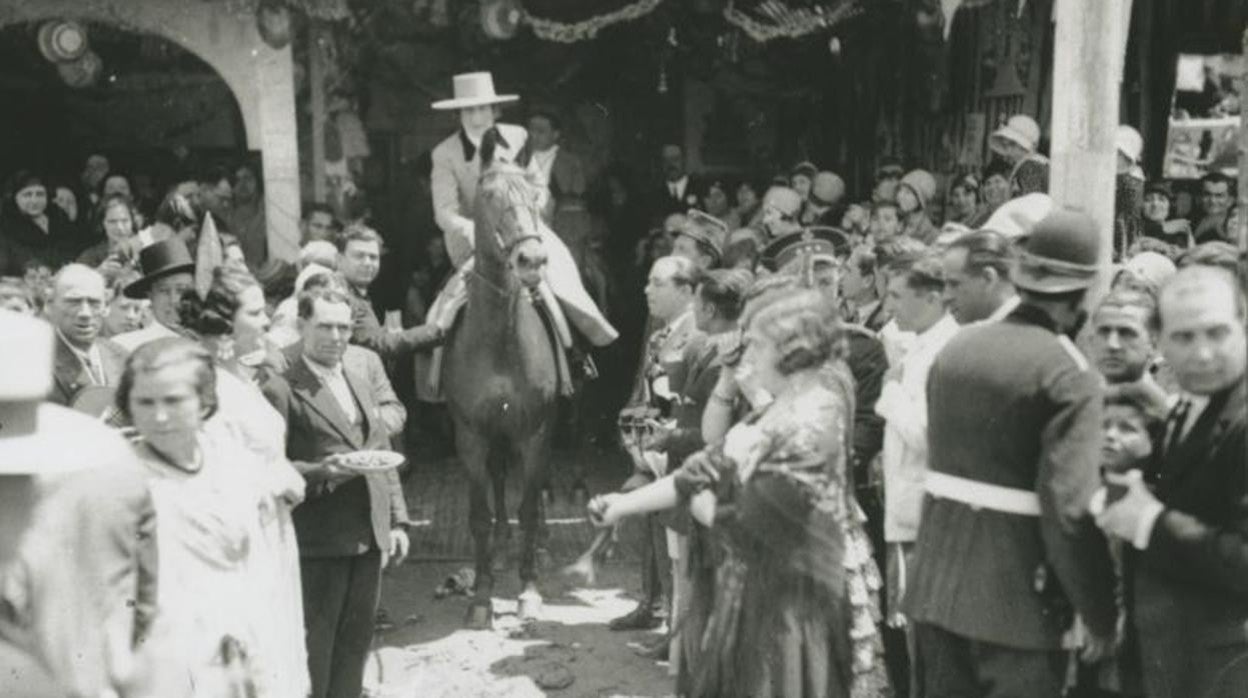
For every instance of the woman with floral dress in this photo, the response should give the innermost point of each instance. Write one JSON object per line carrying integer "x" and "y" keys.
{"x": 794, "y": 604}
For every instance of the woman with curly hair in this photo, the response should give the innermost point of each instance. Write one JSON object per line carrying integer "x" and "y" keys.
{"x": 230, "y": 324}
{"x": 794, "y": 607}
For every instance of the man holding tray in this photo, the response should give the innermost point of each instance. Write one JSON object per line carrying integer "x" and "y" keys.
{"x": 338, "y": 402}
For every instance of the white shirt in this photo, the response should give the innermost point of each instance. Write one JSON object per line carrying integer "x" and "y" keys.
{"x": 677, "y": 188}
{"x": 542, "y": 162}
{"x": 90, "y": 360}
{"x": 1006, "y": 308}
{"x": 903, "y": 405}
{"x": 336, "y": 381}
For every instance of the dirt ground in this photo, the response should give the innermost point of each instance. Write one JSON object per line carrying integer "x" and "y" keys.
{"x": 568, "y": 652}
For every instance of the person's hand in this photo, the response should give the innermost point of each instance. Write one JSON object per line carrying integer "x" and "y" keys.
{"x": 602, "y": 513}
{"x": 335, "y": 473}
{"x": 111, "y": 266}
{"x": 1178, "y": 225}
{"x": 1096, "y": 648}
{"x": 399, "y": 546}
{"x": 1122, "y": 518}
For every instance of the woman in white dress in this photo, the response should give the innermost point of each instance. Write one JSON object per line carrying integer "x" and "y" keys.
{"x": 230, "y": 323}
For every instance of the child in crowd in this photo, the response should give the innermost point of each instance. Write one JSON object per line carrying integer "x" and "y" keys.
{"x": 885, "y": 222}
{"x": 1129, "y": 428}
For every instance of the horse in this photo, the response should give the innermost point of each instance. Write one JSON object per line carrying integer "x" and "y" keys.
{"x": 502, "y": 378}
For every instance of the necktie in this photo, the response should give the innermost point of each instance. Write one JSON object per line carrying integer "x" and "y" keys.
{"x": 94, "y": 372}
{"x": 1178, "y": 419}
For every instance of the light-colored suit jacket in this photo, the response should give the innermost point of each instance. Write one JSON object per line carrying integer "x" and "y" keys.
{"x": 454, "y": 186}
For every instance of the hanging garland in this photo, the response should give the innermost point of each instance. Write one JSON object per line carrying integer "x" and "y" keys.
{"x": 788, "y": 22}
{"x": 569, "y": 32}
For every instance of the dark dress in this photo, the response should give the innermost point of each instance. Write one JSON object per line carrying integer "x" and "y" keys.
{"x": 794, "y": 605}
{"x": 22, "y": 241}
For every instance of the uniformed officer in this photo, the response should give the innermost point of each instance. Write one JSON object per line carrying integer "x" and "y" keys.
{"x": 1006, "y": 555}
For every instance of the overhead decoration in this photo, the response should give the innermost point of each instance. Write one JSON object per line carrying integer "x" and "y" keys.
{"x": 551, "y": 29}
{"x": 273, "y": 23}
{"x": 83, "y": 72}
{"x": 776, "y": 19}
{"x": 501, "y": 18}
{"x": 61, "y": 41}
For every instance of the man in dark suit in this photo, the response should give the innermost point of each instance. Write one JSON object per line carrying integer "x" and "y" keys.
{"x": 679, "y": 191}
{"x": 82, "y": 358}
{"x": 716, "y": 308}
{"x": 1187, "y": 576}
{"x": 1007, "y": 554}
{"x": 337, "y": 401}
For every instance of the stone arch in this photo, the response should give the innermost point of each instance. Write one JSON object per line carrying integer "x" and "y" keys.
{"x": 261, "y": 79}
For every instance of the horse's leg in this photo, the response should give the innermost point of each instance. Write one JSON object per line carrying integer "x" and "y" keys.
{"x": 498, "y": 477}
{"x": 473, "y": 451}
{"x": 533, "y": 455}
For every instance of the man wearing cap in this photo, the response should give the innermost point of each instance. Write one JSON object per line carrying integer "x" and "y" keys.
{"x": 824, "y": 202}
{"x": 77, "y": 534}
{"x": 779, "y": 212}
{"x": 701, "y": 240}
{"x": 456, "y": 171}
{"x": 168, "y": 272}
{"x": 83, "y": 358}
{"x": 1007, "y": 556}
{"x": 1017, "y": 143}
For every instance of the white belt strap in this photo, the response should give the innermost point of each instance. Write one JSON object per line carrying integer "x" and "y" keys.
{"x": 982, "y": 495}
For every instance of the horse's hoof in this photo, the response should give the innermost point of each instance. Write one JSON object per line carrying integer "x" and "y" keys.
{"x": 480, "y": 616}
{"x": 529, "y": 605}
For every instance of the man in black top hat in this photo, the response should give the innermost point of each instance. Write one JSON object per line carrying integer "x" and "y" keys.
{"x": 168, "y": 272}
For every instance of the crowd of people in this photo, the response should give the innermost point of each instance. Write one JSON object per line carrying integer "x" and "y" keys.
{"x": 879, "y": 450}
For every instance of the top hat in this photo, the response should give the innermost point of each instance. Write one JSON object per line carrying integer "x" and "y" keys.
{"x": 1019, "y": 129}
{"x": 158, "y": 260}
{"x": 473, "y": 90}
{"x": 1060, "y": 255}
{"x": 815, "y": 241}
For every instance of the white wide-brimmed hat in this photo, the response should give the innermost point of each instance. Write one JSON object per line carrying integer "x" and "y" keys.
{"x": 1019, "y": 129}
{"x": 474, "y": 90}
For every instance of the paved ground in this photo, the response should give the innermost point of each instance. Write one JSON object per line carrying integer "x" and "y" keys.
{"x": 568, "y": 652}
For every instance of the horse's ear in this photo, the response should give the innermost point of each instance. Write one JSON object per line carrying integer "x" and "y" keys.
{"x": 490, "y": 142}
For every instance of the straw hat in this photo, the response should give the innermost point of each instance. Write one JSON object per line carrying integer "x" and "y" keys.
{"x": 1015, "y": 218}
{"x": 1129, "y": 143}
{"x": 473, "y": 90}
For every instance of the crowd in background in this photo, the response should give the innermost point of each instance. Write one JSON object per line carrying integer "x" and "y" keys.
{"x": 803, "y": 361}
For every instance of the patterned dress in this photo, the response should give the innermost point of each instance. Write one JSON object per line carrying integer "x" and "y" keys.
{"x": 794, "y": 605}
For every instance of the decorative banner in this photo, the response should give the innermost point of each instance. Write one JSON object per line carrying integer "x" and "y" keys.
{"x": 774, "y": 19}
{"x": 582, "y": 30}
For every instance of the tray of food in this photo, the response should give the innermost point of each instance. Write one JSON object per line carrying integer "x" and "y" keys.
{"x": 370, "y": 461}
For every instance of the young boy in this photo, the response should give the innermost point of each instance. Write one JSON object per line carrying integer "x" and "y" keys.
{"x": 885, "y": 222}
{"x": 1128, "y": 428}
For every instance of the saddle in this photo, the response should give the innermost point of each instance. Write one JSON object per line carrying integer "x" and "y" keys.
{"x": 451, "y": 302}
